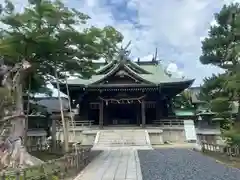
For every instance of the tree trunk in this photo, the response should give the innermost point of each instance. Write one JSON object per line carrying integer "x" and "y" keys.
{"x": 13, "y": 153}
{"x": 18, "y": 124}
{"x": 65, "y": 131}
{"x": 71, "y": 113}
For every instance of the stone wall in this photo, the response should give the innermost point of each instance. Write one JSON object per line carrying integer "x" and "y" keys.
{"x": 156, "y": 136}
{"x": 84, "y": 137}
{"x": 174, "y": 135}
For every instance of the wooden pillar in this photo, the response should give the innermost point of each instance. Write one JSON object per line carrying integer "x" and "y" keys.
{"x": 101, "y": 115}
{"x": 170, "y": 107}
{"x": 53, "y": 133}
{"x": 158, "y": 110}
{"x": 143, "y": 114}
{"x": 105, "y": 116}
{"x": 138, "y": 116}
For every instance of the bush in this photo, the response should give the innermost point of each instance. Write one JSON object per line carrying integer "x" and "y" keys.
{"x": 233, "y": 135}
{"x": 22, "y": 178}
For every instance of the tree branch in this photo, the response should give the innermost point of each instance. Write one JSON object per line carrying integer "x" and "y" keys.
{"x": 7, "y": 118}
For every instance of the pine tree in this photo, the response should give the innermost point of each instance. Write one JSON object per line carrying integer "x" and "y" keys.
{"x": 222, "y": 49}
{"x": 38, "y": 43}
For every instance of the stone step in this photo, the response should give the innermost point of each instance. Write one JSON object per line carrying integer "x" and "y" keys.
{"x": 122, "y": 147}
{"x": 126, "y": 137}
{"x": 122, "y": 142}
{"x": 122, "y": 138}
{"x": 136, "y": 139}
{"x": 124, "y": 133}
{"x": 115, "y": 134}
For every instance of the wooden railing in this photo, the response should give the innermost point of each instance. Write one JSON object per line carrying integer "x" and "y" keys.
{"x": 169, "y": 122}
{"x": 223, "y": 149}
{"x": 161, "y": 122}
{"x": 85, "y": 123}
{"x": 79, "y": 123}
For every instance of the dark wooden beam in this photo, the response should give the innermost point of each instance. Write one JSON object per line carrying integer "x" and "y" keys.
{"x": 143, "y": 114}
{"x": 101, "y": 115}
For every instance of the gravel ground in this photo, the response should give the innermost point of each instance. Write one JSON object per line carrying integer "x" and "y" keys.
{"x": 183, "y": 164}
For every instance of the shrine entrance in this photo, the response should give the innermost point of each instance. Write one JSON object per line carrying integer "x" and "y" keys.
{"x": 122, "y": 111}
{"x": 122, "y": 114}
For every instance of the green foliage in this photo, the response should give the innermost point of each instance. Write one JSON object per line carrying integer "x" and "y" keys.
{"x": 232, "y": 136}
{"x": 215, "y": 96}
{"x": 183, "y": 100}
{"x": 47, "y": 35}
{"x": 55, "y": 178}
{"x": 213, "y": 87}
{"x": 220, "y": 105}
{"x": 222, "y": 48}
{"x": 52, "y": 177}
{"x": 221, "y": 45}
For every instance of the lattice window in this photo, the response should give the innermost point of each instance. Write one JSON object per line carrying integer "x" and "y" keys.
{"x": 150, "y": 104}
{"x": 94, "y": 105}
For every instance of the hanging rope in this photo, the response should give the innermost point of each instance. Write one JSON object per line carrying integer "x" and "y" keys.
{"x": 122, "y": 100}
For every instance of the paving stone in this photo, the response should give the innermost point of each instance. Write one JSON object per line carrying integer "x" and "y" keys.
{"x": 183, "y": 164}
{"x": 121, "y": 164}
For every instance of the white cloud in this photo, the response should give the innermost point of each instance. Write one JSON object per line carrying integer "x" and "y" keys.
{"x": 175, "y": 27}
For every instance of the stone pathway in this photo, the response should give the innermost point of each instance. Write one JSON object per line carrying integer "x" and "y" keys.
{"x": 121, "y": 164}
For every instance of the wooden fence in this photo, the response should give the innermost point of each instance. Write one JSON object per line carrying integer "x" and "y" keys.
{"x": 65, "y": 167}
{"x": 47, "y": 147}
{"x": 233, "y": 151}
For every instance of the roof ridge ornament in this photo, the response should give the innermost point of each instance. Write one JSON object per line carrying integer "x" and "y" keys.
{"x": 123, "y": 53}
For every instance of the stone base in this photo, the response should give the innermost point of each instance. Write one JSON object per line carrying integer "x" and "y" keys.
{"x": 103, "y": 148}
{"x": 156, "y": 136}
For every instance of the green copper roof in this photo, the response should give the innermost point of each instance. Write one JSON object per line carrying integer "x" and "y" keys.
{"x": 147, "y": 72}
{"x": 184, "y": 112}
{"x": 206, "y": 113}
{"x": 158, "y": 75}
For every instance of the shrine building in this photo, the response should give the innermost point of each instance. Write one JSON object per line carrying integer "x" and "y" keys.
{"x": 123, "y": 92}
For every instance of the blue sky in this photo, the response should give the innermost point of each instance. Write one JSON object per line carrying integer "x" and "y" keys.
{"x": 175, "y": 27}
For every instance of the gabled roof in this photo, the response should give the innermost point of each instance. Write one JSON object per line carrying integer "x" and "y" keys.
{"x": 149, "y": 73}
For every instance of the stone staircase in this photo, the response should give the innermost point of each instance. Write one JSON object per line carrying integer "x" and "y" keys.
{"x": 115, "y": 139}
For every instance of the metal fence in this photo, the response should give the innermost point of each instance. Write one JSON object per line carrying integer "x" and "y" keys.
{"x": 63, "y": 168}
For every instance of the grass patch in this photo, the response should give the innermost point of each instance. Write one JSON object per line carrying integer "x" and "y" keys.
{"x": 224, "y": 159}
{"x": 46, "y": 156}
{"x": 46, "y": 171}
